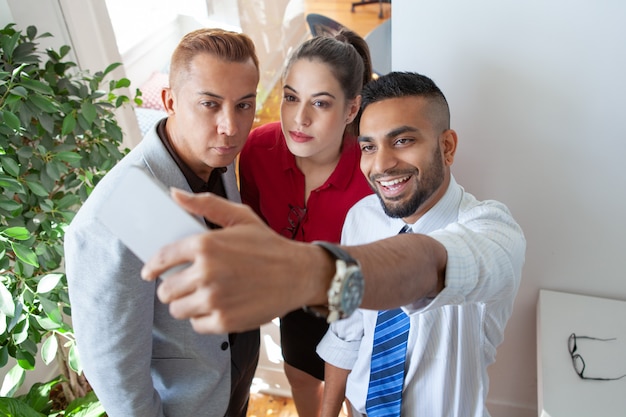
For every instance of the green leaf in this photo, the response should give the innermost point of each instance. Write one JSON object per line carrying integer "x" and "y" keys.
{"x": 4, "y": 356}
{"x": 13, "y": 103}
{"x": 69, "y": 157}
{"x": 51, "y": 308}
{"x": 47, "y": 122}
{"x": 87, "y": 406}
{"x": 48, "y": 283}
{"x": 9, "y": 205}
{"x": 54, "y": 170}
{"x": 123, "y": 82}
{"x": 37, "y": 188}
{"x": 89, "y": 111}
{"x": 16, "y": 315}
{"x": 12, "y": 381}
{"x": 20, "y": 331}
{"x": 25, "y": 152}
{"x": 17, "y": 72}
{"x": 43, "y": 103}
{"x": 9, "y": 43}
{"x": 10, "y": 166}
{"x": 69, "y": 123}
{"x": 3, "y": 328}
{"x": 20, "y": 91}
{"x": 112, "y": 67}
{"x": 31, "y": 32}
{"x": 18, "y": 233}
{"x": 7, "y": 305}
{"x": 46, "y": 205}
{"x": 114, "y": 131}
{"x": 25, "y": 359}
{"x": 11, "y": 120}
{"x": 49, "y": 349}
{"x": 48, "y": 324}
{"x": 37, "y": 86}
{"x": 121, "y": 100}
{"x": 44, "y": 179}
{"x": 65, "y": 49}
{"x": 67, "y": 201}
{"x": 25, "y": 254}
{"x": 12, "y": 407}
{"x": 38, "y": 396}
{"x": 74, "y": 360}
{"x": 97, "y": 94}
{"x": 10, "y": 184}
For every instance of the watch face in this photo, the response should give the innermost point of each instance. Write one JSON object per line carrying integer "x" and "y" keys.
{"x": 352, "y": 293}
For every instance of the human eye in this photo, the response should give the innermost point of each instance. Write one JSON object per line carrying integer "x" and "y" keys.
{"x": 367, "y": 148}
{"x": 209, "y": 103}
{"x": 321, "y": 104}
{"x": 289, "y": 97}
{"x": 245, "y": 106}
{"x": 403, "y": 141}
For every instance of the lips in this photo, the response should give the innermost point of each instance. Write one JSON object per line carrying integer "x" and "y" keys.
{"x": 225, "y": 150}
{"x": 299, "y": 136}
{"x": 393, "y": 187}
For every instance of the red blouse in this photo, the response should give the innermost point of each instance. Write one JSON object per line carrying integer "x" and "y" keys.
{"x": 273, "y": 186}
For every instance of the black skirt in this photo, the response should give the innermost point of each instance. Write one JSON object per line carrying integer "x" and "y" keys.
{"x": 300, "y": 333}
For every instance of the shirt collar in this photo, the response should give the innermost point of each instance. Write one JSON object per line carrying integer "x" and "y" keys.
{"x": 444, "y": 212}
{"x": 347, "y": 167}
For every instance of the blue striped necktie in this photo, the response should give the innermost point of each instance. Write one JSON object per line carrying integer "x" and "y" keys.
{"x": 384, "y": 394}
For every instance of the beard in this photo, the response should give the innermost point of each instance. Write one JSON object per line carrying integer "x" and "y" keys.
{"x": 432, "y": 176}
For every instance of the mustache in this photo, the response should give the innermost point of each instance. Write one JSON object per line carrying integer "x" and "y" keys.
{"x": 393, "y": 173}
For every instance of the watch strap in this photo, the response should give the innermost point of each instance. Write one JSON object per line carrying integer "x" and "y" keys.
{"x": 346, "y": 268}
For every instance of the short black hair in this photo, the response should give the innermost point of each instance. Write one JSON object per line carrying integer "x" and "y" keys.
{"x": 404, "y": 84}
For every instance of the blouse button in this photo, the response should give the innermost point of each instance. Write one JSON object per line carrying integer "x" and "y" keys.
{"x": 224, "y": 345}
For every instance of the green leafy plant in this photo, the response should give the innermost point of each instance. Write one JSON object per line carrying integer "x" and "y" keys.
{"x": 37, "y": 403}
{"x": 58, "y": 137}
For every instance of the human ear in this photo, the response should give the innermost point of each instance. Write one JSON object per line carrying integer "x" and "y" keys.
{"x": 353, "y": 109}
{"x": 168, "y": 100}
{"x": 449, "y": 142}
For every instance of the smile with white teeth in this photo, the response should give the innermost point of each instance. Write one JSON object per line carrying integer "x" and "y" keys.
{"x": 393, "y": 182}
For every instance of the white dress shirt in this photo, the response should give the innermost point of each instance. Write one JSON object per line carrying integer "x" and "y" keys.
{"x": 453, "y": 337}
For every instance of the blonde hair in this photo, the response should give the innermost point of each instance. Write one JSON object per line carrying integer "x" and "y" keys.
{"x": 224, "y": 44}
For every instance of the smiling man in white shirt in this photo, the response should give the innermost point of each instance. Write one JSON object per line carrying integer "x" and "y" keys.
{"x": 407, "y": 151}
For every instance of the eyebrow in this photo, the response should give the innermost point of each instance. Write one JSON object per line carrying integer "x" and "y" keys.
{"x": 209, "y": 94}
{"x": 321, "y": 93}
{"x": 391, "y": 134}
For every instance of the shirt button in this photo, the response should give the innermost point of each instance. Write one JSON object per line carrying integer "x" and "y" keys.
{"x": 224, "y": 345}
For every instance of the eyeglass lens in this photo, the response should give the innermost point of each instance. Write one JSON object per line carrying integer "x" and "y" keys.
{"x": 578, "y": 362}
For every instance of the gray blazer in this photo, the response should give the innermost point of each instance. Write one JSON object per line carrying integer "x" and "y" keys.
{"x": 138, "y": 359}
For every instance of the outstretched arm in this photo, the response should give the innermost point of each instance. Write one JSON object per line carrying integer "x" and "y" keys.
{"x": 245, "y": 274}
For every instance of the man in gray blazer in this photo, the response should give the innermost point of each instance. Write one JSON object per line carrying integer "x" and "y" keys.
{"x": 139, "y": 360}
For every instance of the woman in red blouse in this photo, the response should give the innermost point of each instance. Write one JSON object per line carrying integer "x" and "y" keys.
{"x": 302, "y": 175}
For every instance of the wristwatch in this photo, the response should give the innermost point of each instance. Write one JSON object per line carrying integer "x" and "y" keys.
{"x": 346, "y": 288}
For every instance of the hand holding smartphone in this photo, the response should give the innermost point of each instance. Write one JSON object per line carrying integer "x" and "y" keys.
{"x": 141, "y": 213}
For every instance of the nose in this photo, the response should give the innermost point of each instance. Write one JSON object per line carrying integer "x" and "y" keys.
{"x": 383, "y": 160}
{"x": 227, "y": 123}
{"x": 301, "y": 116}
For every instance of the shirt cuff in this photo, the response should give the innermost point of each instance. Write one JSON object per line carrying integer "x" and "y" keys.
{"x": 337, "y": 352}
{"x": 459, "y": 280}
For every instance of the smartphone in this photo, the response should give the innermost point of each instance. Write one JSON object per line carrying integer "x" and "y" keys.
{"x": 142, "y": 214}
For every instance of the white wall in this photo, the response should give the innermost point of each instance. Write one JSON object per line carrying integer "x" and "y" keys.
{"x": 536, "y": 91}
{"x": 6, "y": 16}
